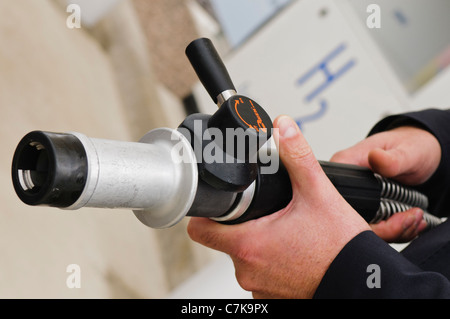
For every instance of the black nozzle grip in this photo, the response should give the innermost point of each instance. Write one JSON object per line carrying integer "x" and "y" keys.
{"x": 209, "y": 67}
{"x": 358, "y": 186}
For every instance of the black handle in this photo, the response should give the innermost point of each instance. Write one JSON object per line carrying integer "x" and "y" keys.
{"x": 244, "y": 124}
{"x": 209, "y": 67}
{"x": 357, "y": 185}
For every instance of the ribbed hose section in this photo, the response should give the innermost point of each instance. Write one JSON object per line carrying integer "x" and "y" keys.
{"x": 389, "y": 208}
{"x": 395, "y": 192}
{"x": 396, "y": 198}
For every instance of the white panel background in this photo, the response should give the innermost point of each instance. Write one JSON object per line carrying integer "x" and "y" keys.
{"x": 267, "y": 67}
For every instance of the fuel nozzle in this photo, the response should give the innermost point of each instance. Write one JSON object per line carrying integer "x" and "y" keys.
{"x": 210, "y": 166}
{"x": 243, "y": 125}
{"x": 165, "y": 176}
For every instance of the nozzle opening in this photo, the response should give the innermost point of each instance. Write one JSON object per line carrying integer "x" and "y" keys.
{"x": 33, "y": 165}
{"x": 49, "y": 169}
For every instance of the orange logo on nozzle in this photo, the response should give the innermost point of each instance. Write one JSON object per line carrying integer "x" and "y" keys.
{"x": 259, "y": 121}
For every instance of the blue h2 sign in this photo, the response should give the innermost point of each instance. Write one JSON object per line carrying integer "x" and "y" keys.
{"x": 330, "y": 77}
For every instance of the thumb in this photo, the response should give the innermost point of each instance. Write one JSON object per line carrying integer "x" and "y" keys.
{"x": 388, "y": 163}
{"x": 296, "y": 154}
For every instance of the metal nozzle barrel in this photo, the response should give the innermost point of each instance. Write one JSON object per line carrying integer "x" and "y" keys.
{"x": 70, "y": 171}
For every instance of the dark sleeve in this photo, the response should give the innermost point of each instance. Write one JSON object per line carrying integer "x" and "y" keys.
{"x": 352, "y": 272}
{"x": 437, "y": 122}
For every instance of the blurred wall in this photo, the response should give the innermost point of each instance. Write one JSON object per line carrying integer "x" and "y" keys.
{"x": 100, "y": 82}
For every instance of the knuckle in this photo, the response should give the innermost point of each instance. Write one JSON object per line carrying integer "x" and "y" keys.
{"x": 192, "y": 230}
{"x": 209, "y": 239}
{"x": 300, "y": 153}
{"x": 203, "y": 235}
{"x": 247, "y": 266}
{"x": 302, "y": 158}
{"x": 243, "y": 253}
{"x": 245, "y": 279}
{"x": 338, "y": 156}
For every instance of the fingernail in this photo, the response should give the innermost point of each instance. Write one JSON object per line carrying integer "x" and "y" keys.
{"x": 409, "y": 221}
{"x": 422, "y": 225}
{"x": 413, "y": 219}
{"x": 288, "y": 128}
{"x": 419, "y": 216}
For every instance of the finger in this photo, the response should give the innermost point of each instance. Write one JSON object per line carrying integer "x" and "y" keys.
{"x": 296, "y": 154}
{"x": 357, "y": 155}
{"x": 388, "y": 163}
{"x": 214, "y": 235}
{"x": 398, "y": 164}
{"x": 401, "y": 227}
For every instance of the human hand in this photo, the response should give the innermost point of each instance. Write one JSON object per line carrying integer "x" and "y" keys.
{"x": 286, "y": 254}
{"x": 407, "y": 154}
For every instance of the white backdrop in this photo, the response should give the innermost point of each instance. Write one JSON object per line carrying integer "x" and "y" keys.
{"x": 318, "y": 62}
